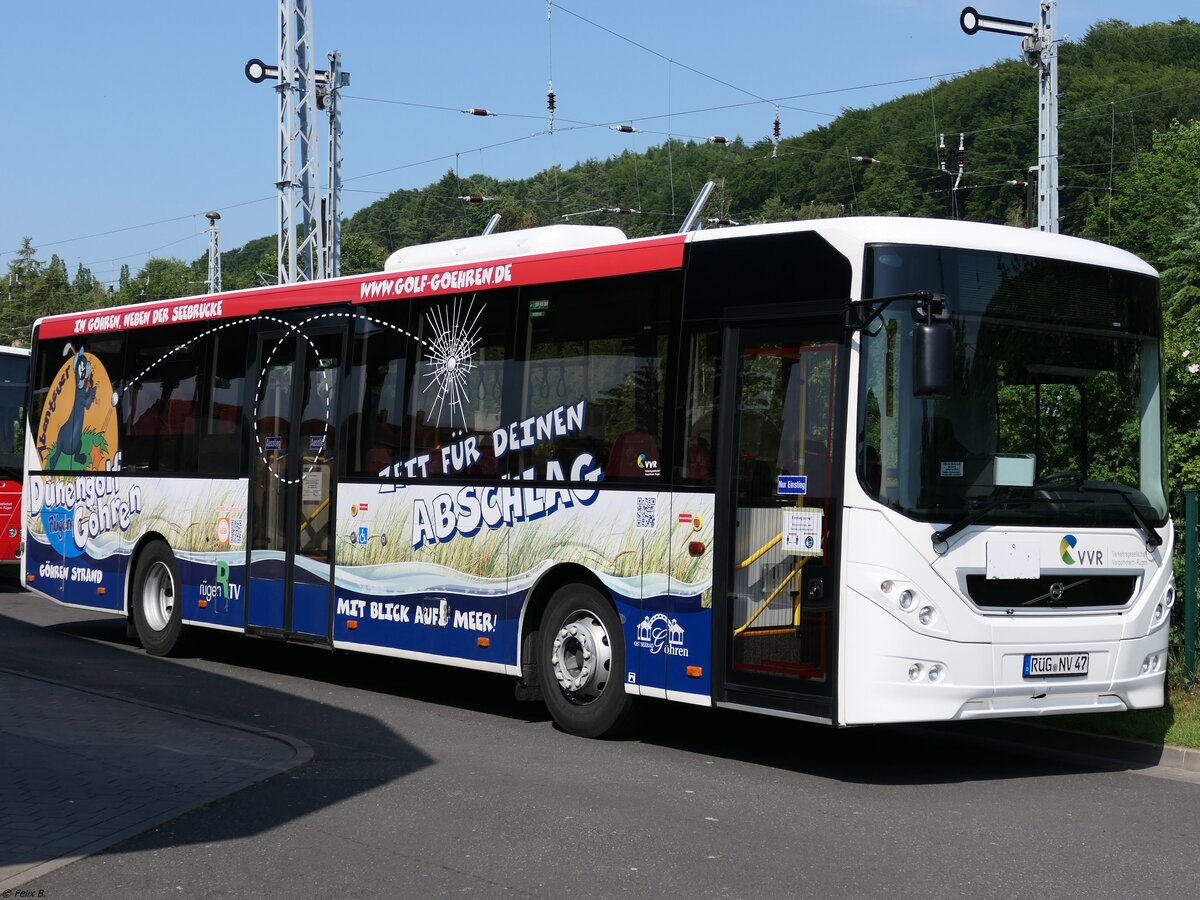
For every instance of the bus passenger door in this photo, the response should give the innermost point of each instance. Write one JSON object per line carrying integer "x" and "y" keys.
{"x": 293, "y": 450}
{"x": 775, "y": 597}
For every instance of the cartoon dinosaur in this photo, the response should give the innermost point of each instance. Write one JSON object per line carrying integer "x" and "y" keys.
{"x": 70, "y": 433}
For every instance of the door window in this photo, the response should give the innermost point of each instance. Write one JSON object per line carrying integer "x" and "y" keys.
{"x": 781, "y": 601}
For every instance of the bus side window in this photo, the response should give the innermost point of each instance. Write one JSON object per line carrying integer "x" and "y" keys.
{"x": 696, "y": 416}
{"x": 457, "y": 382}
{"x": 378, "y": 385}
{"x": 160, "y": 424}
{"x": 224, "y": 396}
{"x": 596, "y": 353}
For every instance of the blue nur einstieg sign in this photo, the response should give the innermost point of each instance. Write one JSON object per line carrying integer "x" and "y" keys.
{"x": 792, "y": 484}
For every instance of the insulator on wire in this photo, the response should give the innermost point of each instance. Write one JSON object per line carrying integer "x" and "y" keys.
{"x": 962, "y": 153}
{"x": 478, "y": 111}
{"x": 941, "y": 151}
{"x": 865, "y": 160}
{"x": 722, "y": 222}
{"x": 622, "y": 210}
{"x": 476, "y": 198}
{"x": 624, "y": 129}
{"x": 718, "y": 139}
{"x": 550, "y": 104}
{"x": 777, "y": 130}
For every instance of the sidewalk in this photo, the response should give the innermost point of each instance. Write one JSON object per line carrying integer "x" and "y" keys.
{"x": 80, "y": 771}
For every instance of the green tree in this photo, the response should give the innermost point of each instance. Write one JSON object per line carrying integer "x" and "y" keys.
{"x": 361, "y": 254}
{"x": 1181, "y": 352}
{"x": 85, "y": 284}
{"x": 775, "y": 210}
{"x": 1155, "y": 197}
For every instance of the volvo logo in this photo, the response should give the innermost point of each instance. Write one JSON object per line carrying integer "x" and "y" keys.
{"x": 1056, "y": 592}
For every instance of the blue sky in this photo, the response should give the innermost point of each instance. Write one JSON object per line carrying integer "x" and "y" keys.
{"x": 127, "y": 120}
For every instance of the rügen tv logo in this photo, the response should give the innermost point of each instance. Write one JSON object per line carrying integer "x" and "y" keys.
{"x": 658, "y": 634}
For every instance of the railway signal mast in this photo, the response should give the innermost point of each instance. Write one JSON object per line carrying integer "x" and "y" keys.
{"x": 305, "y": 234}
{"x": 214, "y": 253}
{"x": 1039, "y": 48}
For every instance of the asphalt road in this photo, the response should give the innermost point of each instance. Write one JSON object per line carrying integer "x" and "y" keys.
{"x": 430, "y": 782}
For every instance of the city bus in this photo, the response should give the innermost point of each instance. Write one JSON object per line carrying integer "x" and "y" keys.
{"x": 14, "y": 384}
{"x": 848, "y": 471}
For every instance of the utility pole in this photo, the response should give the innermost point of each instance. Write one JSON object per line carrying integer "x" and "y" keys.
{"x": 327, "y": 98}
{"x": 962, "y": 159}
{"x": 1039, "y": 48}
{"x": 1027, "y": 186}
{"x": 214, "y": 253}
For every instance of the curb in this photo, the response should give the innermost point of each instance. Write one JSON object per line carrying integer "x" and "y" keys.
{"x": 1118, "y": 749}
{"x": 300, "y": 753}
{"x": 1105, "y": 749}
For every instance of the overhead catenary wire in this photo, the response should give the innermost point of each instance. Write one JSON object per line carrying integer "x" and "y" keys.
{"x": 1076, "y": 114}
{"x": 757, "y": 98}
{"x": 460, "y": 110}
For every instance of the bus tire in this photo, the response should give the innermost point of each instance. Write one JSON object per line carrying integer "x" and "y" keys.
{"x": 157, "y": 614}
{"x": 581, "y": 658}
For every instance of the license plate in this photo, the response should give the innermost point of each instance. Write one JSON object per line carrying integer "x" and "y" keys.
{"x": 1053, "y": 665}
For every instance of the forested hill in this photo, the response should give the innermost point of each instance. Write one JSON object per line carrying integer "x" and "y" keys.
{"x": 1120, "y": 85}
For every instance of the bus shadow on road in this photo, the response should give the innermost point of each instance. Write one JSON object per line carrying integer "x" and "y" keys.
{"x": 131, "y": 739}
{"x": 947, "y": 753}
{"x": 424, "y": 682}
{"x": 880, "y": 754}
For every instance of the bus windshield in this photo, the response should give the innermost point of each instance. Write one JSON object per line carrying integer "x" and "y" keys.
{"x": 1056, "y": 412}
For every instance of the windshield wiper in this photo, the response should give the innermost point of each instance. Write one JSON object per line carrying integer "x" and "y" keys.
{"x": 973, "y": 516}
{"x": 1152, "y": 536}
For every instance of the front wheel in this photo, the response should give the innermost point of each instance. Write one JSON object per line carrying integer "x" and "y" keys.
{"x": 157, "y": 615}
{"x": 582, "y": 656}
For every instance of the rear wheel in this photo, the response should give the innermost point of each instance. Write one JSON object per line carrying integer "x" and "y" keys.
{"x": 581, "y": 658}
{"x": 157, "y": 616}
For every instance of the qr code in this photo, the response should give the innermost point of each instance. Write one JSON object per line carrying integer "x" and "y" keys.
{"x": 646, "y": 512}
{"x": 236, "y": 532}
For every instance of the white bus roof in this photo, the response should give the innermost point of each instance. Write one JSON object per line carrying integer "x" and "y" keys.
{"x": 850, "y": 234}
{"x": 505, "y": 244}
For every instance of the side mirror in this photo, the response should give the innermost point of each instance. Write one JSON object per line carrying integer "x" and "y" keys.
{"x": 933, "y": 351}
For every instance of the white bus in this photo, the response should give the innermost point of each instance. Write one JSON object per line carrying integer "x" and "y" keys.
{"x": 849, "y": 471}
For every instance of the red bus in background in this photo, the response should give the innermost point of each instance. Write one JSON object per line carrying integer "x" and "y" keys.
{"x": 14, "y": 383}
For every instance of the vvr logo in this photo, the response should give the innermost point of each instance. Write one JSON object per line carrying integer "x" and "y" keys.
{"x": 1086, "y": 557}
{"x": 1065, "y": 547}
